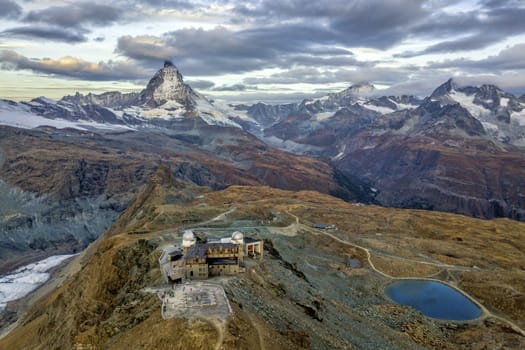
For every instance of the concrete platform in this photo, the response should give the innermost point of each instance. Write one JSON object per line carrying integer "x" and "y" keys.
{"x": 194, "y": 300}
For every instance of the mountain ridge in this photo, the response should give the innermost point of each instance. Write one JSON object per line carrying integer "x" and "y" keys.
{"x": 470, "y": 122}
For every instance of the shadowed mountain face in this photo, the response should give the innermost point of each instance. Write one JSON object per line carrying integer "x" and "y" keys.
{"x": 439, "y": 158}
{"x": 460, "y": 150}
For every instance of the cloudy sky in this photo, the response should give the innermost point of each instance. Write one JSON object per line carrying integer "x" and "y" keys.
{"x": 269, "y": 50}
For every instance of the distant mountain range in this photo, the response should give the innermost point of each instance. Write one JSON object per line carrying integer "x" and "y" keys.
{"x": 461, "y": 149}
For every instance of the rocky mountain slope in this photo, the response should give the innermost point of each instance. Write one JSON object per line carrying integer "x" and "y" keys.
{"x": 458, "y": 150}
{"x": 372, "y": 141}
{"x": 314, "y": 289}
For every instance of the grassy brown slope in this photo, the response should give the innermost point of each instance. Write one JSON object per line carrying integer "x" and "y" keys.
{"x": 83, "y": 164}
{"x": 103, "y": 305}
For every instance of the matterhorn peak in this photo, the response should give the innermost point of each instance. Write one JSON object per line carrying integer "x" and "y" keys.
{"x": 165, "y": 86}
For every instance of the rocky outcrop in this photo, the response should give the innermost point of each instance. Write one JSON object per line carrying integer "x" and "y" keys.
{"x": 88, "y": 179}
{"x": 411, "y": 157}
{"x": 470, "y": 178}
{"x": 167, "y": 85}
{"x": 112, "y": 99}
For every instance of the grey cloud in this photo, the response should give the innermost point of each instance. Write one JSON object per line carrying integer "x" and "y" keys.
{"x": 348, "y": 76}
{"x": 327, "y": 61}
{"x": 379, "y": 24}
{"x": 76, "y": 15}
{"x": 501, "y": 3}
{"x": 295, "y": 76}
{"x": 175, "y": 4}
{"x": 195, "y": 51}
{"x": 220, "y": 50}
{"x": 511, "y": 58}
{"x": 200, "y": 42}
{"x": 368, "y": 23}
{"x": 200, "y": 84}
{"x": 47, "y": 33}
{"x": 144, "y": 47}
{"x": 289, "y": 26}
{"x": 73, "y": 67}
{"x": 446, "y": 25}
{"x": 473, "y": 42}
{"x": 480, "y": 28}
{"x": 235, "y": 87}
{"x": 9, "y": 9}
{"x": 359, "y": 10}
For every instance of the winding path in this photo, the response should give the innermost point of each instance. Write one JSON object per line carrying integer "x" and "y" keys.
{"x": 221, "y": 216}
{"x": 219, "y": 327}
{"x": 486, "y": 312}
{"x": 258, "y": 330}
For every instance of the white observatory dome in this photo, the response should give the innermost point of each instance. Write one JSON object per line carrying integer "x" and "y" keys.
{"x": 188, "y": 239}
{"x": 237, "y": 238}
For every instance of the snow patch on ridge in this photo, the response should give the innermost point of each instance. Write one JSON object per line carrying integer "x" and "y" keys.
{"x": 519, "y": 117}
{"x": 21, "y": 117}
{"x": 467, "y": 102}
{"x": 211, "y": 115}
{"x": 323, "y": 116}
{"x": 401, "y": 106}
{"x": 490, "y": 126}
{"x": 380, "y": 109}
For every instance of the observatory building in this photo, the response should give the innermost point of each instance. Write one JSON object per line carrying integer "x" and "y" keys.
{"x": 199, "y": 258}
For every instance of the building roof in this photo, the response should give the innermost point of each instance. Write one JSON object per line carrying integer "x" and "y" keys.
{"x": 196, "y": 252}
{"x": 199, "y": 251}
{"x": 219, "y": 245}
{"x": 248, "y": 240}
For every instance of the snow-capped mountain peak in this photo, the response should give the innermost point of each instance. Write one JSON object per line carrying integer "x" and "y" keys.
{"x": 501, "y": 113}
{"x": 166, "y": 99}
{"x": 167, "y": 85}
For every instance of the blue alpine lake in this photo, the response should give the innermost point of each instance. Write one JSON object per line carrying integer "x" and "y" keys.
{"x": 433, "y": 299}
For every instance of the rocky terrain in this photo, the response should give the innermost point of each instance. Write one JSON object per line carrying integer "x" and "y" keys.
{"x": 399, "y": 151}
{"x": 62, "y": 188}
{"x": 459, "y": 150}
{"x": 314, "y": 289}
